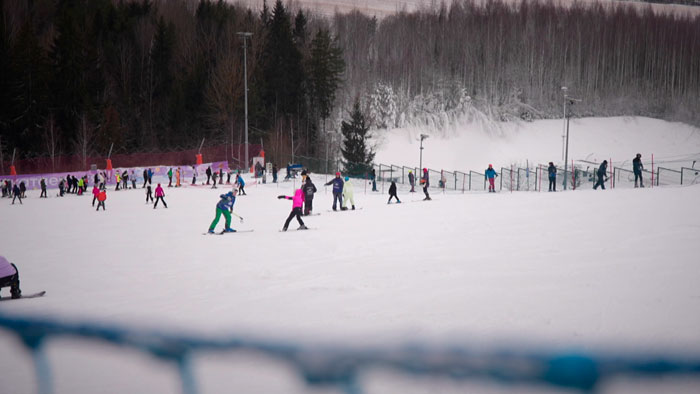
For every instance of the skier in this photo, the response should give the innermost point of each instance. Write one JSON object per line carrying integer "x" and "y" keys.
{"x": 425, "y": 180}
{"x": 412, "y": 181}
{"x": 194, "y": 175}
{"x": 392, "y": 193}
{"x": 61, "y": 187}
{"x": 95, "y": 193}
{"x": 125, "y": 179}
{"x": 178, "y": 174}
{"x": 221, "y": 176}
{"x": 145, "y": 178}
{"x": 552, "y": 177}
{"x": 133, "y": 179}
{"x": 159, "y": 196}
{"x": 81, "y": 185}
{"x": 602, "y": 171}
{"x": 213, "y": 176}
{"x": 309, "y": 190}
{"x": 101, "y": 198}
{"x": 9, "y": 277}
{"x": 337, "y": 183}
{"x": 43, "y": 188}
{"x": 119, "y": 181}
{"x": 23, "y": 189}
{"x": 228, "y": 176}
{"x": 241, "y": 183}
{"x": 17, "y": 194}
{"x": 348, "y": 194}
{"x": 224, "y": 207}
{"x": 274, "y": 173}
{"x": 149, "y": 194}
{"x": 373, "y": 178}
{"x": 150, "y": 176}
{"x": 208, "y": 172}
{"x": 491, "y": 175}
{"x": 170, "y": 177}
{"x": 637, "y": 166}
{"x": 297, "y": 202}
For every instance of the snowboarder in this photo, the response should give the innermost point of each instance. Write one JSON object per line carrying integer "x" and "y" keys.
{"x": 637, "y": 167}
{"x": 101, "y": 198}
{"x": 17, "y": 194}
{"x": 297, "y": 203}
{"x": 159, "y": 196}
{"x": 224, "y": 207}
{"x": 601, "y": 173}
{"x": 208, "y": 172}
{"x": 552, "y": 177}
{"x": 149, "y": 194}
{"x": 9, "y": 277}
{"x": 170, "y": 177}
{"x": 491, "y": 175}
{"x": 337, "y": 183}
{"x": 425, "y": 181}
{"x": 43, "y": 188}
{"x": 348, "y": 194}
{"x": 392, "y": 193}
{"x": 309, "y": 190}
{"x": 412, "y": 181}
{"x": 95, "y": 193}
{"x": 241, "y": 183}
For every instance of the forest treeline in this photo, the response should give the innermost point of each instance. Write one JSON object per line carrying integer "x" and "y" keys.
{"x": 80, "y": 76}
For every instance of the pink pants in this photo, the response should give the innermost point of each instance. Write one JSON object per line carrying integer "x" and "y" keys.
{"x": 491, "y": 186}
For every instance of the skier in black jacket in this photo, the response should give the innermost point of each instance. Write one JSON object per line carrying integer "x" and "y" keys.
{"x": 208, "y": 172}
{"x": 17, "y": 194}
{"x": 309, "y": 189}
{"x": 637, "y": 166}
{"x": 392, "y": 193}
{"x": 43, "y": 188}
{"x": 601, "y": 173}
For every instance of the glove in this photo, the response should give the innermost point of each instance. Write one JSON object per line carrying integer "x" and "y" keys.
{"x": 281, "y": 197}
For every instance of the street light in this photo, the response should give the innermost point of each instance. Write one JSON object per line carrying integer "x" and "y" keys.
{"x": 245, "y": 36}
{"x": 422, "y": 137}
{"x": 570, "y": 101}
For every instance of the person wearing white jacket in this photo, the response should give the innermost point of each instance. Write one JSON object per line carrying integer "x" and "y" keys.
{"x": 348, "y": 195}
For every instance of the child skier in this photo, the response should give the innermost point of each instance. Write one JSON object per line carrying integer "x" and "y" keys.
{"x": 224, "y": 207}
{"x": 297, "y": 203}
{"x": 95, "y": 193}
{"x": 17, "y": 194}
{"x": 101, "y": 198}
{"x": 241, "y": 183}
{"x": 337, "y": 183}
{"x": 9, "y": 277}
{"x": 392, "y": 193}
{"x": 348, "y": 194}
{"x": 491, "y": 175}
{"x": 309, "y": 190}
{"x": 160, "y": 193}
{"x": 149, "y": 194}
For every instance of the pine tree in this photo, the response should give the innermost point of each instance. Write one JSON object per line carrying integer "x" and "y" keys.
{"x": 383, "y": 110}
{"x": 326, "y": 67}
{"x": 357, "y": 156}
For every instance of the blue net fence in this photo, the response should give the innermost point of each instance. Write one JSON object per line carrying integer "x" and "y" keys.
{"x": 343, "y": 366}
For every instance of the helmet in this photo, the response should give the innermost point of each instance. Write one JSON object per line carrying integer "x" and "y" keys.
{"x": 347, "y": 178}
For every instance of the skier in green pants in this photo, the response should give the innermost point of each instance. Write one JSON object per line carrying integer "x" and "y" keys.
{"x": 224, "y": 207}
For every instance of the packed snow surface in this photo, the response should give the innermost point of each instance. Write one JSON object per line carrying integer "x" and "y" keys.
{"x": 614, "y": 269}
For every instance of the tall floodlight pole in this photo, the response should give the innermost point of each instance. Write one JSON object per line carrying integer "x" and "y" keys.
{"x": 245, "y": 36}
{"x": 422, "y": 137}
{"x": 566, "y": 117}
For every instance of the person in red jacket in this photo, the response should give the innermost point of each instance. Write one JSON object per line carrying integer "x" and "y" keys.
{"x": 159, "y": 196}
{"x": 102, "y": 197}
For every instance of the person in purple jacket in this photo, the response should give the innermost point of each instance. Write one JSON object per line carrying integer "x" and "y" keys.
{"x": 297, "y": 204}
{"x": 9, "y": 277}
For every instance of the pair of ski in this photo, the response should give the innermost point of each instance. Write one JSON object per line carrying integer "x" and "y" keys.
{"x": 229, "y": 232}
{"x": 33, "y": 295}
{"x": 345, "y": 210}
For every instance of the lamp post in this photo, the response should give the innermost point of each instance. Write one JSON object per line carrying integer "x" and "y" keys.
{"x": 570, "y": 101}
{"x": 422, "y": 137}
{"x": 245, "y": 36}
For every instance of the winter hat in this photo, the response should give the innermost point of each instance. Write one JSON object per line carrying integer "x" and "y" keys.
{"x": 490, "y": 165}
{"x": 337, "y": 174}
{"x": 347, "y": 178}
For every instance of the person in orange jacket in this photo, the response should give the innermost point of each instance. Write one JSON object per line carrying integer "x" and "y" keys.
{"x": 102, "y": 197}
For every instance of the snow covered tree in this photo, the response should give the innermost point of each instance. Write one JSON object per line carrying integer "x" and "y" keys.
{"x": 357, "y": 156}
{"x": 382, "y": 107}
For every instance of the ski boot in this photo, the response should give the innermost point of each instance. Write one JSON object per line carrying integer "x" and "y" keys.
{"x": 303, "y": 227}
{"x": 211, "y": 231}
{"x": 284, "y": 228}
{"x": 229, "y": 230}
{"x": 343, "y": 208}
{"x": 353, "y": 207}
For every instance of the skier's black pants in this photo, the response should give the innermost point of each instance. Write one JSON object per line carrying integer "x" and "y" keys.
{"x": 425, "y": 190}
{"x": 17, "y": 196}
{"x": 170, "y": 181}
{"x": 12, "y": 281}
{"x": 194, "y": 180}
{"x": 228, "y": 179}
{"x": 43, "y": 193}
{"x": 100, "y": 204}
{"x": 638, "y": 175}
{"x": 208, "y": 178}
{"x": 337, "y": 197}
{"x": 308, "y": 205}
{"x": 392, "y": 196}
{"x": 241, "y": 190}
{"x": 161, "y": 199}
{"x": 552, "y": 184}
{"x": 149, "y": 196}
{"x": 295, "y": 212}
{"x": 601, "y": 183}
{"x": 94, "y": 198}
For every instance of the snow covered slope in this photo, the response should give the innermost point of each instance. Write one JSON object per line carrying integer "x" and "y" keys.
{"x": 474, "y": 146}
{"x": 568, "y": 269}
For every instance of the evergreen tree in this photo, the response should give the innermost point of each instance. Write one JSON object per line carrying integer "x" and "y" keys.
{"x": 357, "y": 156}
{"x": 327, "y": 65}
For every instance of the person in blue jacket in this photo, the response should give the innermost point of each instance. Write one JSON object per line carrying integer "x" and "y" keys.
{"x": 552, "y": 170}
{"x": 491, "y": 176}
{"x": 241, "y": 183}
{"x": 637, "y": 167}
{"x": 337, "y": 183}
{"x": 224, "y": 207}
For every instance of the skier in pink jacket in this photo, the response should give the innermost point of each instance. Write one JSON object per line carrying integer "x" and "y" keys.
{"x": 160, "y": 193}
{"x": 297, "y": 204}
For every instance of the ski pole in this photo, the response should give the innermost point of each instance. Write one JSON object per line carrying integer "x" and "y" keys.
{"x": 238, "y": 216}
